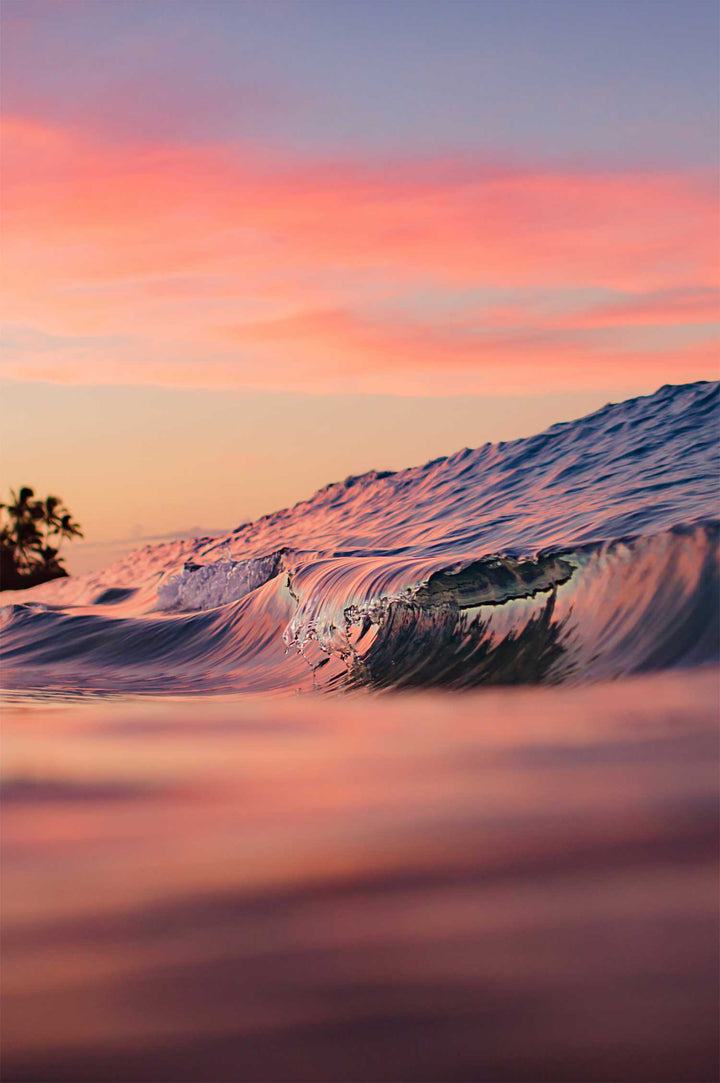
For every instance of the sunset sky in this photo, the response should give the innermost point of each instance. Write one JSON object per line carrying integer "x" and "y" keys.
{"x": 252, "y": 247}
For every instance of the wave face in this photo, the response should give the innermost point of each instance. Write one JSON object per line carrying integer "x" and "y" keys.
{"x": 587, "y": 552}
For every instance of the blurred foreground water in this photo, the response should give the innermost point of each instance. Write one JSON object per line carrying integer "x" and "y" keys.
{"x": 504, "y": 884}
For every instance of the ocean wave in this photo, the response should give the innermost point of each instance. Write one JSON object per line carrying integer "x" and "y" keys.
{"x": 597, "y": 612}
{"x": 587, "y": 552}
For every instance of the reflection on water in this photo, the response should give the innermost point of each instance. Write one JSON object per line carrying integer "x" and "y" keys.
{"x": 497, "y": 885}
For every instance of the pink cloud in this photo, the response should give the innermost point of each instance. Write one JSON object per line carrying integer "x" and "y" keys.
{"x": 222, "y": 266}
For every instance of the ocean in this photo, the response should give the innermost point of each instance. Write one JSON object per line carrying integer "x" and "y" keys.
{"x": 416, "y": 780}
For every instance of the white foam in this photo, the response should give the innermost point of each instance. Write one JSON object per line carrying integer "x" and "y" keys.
{"x": 207, "y": 586}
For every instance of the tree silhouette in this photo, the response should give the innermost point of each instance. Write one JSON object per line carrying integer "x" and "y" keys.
{"x": 31, "y": 534}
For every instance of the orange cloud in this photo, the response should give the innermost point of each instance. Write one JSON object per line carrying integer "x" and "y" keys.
{"x": 220, "y": 266}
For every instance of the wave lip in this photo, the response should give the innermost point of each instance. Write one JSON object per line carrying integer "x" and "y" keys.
{"x": 493, "y": 581}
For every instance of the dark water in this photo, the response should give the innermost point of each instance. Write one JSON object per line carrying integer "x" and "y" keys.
{"x": 208, "y": 877}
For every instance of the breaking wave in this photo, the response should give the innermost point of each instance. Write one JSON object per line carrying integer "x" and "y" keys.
{"x": 588, "y": 552}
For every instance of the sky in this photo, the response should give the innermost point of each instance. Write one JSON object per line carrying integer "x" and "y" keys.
{"x": 253, "y": 247}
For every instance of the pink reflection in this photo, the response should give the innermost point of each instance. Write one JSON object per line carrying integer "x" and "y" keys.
{"x": 503, "y": 885}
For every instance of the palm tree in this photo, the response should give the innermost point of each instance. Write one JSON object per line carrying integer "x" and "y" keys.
{"x": 31, "y": 535}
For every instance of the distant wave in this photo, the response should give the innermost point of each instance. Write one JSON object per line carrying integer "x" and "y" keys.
{"x": 587, "y": 552}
